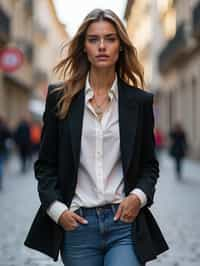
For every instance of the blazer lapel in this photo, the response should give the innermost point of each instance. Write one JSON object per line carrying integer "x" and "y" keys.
{"x": 128, "y": 116}
{"x": 75, "y": 125}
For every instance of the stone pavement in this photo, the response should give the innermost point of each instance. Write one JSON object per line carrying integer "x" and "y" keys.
{"x": 176, "y": 209}
{"x": 18, "y": 204}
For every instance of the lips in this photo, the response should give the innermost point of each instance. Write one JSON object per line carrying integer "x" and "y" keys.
{"x": 102, "y": 57}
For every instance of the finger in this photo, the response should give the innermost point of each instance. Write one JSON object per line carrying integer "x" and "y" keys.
{"x": 73, "y": 222}
{"x": 71, "y": 227}
{"x": 118, "y": 213}
{"x": 128, "y": 216}
{"x": 70, "y": 221}
{"x": 124, "y": 214}
{"x": 80, "y": 219}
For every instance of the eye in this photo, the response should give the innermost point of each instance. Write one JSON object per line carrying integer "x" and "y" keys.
{"x": 92, "y": 40}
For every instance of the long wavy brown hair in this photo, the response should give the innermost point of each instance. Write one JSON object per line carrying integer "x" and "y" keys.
{"x": 75, "y": 66}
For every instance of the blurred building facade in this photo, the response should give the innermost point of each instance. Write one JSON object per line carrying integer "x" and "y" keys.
{"x": 4, "y": 39}
{"x": 139, "y": 27}
{"x": 170, "y": 31}
{"x": 49, "y": 37}
{"x": 33, "y": 27}
{"x": 16, "y": 87}
{"x": 179, "y": 64}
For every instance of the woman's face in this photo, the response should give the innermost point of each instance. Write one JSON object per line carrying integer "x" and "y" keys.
{"x": 102, "y": 44}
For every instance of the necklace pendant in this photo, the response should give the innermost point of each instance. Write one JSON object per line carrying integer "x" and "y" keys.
{"x": 98, "y": 110}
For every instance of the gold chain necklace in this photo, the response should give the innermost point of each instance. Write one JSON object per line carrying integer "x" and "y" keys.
{"x": 99, "y": 107}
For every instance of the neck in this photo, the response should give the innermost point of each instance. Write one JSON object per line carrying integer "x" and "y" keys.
{"x": 101, "y": 80}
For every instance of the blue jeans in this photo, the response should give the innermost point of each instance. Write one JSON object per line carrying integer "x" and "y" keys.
{"x": 101, "y": 242}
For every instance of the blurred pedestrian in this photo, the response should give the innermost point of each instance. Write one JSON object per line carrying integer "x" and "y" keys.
{"x": 4, "y": 136}
{"x": 97, "y": 168}
{"x": 178, "y": 147}
{"x": 35, "y": 135}
{"x": 159, "y": 140}
{"x": 23, "y": 142}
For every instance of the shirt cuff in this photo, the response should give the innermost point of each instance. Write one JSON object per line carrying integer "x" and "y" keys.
{"x": 141, "y": 195}
{"x": 56, "y": 209}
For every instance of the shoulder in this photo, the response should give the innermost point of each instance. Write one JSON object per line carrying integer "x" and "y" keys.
{"x": 56, "y": 85}
{"x": 53, "y": 94}
{"x": 139, "y": 95}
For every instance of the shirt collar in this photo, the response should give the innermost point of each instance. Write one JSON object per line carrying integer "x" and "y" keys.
{"x": 113, "y": 91}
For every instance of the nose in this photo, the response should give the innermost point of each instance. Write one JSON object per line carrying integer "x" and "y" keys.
{"x": 101, "y": 44}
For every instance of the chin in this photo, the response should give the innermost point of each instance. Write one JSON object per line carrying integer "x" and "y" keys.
{"x": 103, "y": 65}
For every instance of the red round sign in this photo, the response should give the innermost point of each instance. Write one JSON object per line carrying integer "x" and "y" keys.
{"x": 11, "y": 59}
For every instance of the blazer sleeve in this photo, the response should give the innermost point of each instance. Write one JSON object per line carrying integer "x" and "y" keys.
{"x": 46, "y": 166}
{"x": 149, "y": 164}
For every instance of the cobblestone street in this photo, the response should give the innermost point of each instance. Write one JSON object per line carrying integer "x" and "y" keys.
{"x": 176, "y": 209}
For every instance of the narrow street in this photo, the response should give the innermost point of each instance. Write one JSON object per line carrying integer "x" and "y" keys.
{"x": 176, "y": 209}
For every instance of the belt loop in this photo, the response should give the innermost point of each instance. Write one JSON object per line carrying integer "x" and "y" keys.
{"x": 97, "y": 210}
{"x": 113, "y": 209}
{"x": 81, "y": 212}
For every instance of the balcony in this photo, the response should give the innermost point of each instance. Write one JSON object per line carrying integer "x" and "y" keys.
{"x": 175, "y": 50}
{"x": 196, "y": 21}
{"x": 4, "y": 26}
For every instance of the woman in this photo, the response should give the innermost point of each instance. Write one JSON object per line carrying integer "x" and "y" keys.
{"x": 178, "y": 148}
{"x": 97, "y": 169}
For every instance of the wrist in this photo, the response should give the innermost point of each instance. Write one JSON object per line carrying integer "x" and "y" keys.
{"x": 141, "y": 195}
{"x": 60, "y": 219}
{"x": 135, "y": 198}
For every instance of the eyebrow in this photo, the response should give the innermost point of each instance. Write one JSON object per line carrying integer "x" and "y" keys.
{"x": 106, "y": 35}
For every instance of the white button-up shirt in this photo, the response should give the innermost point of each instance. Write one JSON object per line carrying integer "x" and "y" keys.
{"x": 100, "y": 176}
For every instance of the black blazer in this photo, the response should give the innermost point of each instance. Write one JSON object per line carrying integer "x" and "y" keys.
{"x": 57, "y": 166}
